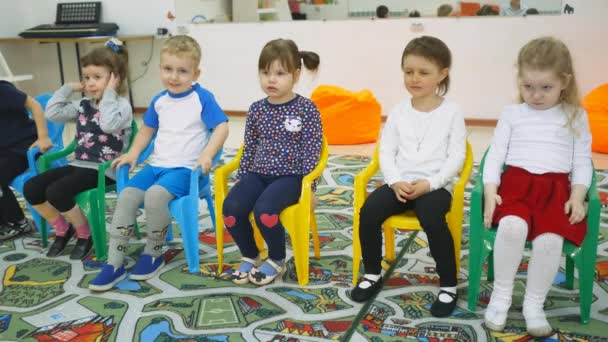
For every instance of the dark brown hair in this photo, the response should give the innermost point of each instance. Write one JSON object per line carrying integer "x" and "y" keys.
{"x": 435, "y": 50}
{"x": 116, "y": 62}
{"x": 286, "y": 51}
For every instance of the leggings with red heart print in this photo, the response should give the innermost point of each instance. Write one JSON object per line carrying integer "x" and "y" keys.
{"x": 266, "y": 196}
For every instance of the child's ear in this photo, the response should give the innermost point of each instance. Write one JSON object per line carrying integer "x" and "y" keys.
{"x": 197, "y": 73}
{"x": 296, "y": 75}
{"x": 566, "y": 81}
{"x": 444, "y": 73}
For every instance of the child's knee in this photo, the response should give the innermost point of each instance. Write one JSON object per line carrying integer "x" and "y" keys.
{"x": 130, "y": 197}
{"x": 233, "y": 207}
{"x": 57, "y": 197}
{"x": 548, "y": 243}
{"x": 157, "y": 198}
{"x": 513, "y": 227}
{"x": 265, "y": 216}
{"x": 33, "y": 192}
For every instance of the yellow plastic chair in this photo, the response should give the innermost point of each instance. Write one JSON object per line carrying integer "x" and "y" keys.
{"x": 297, "y": 219}
{"x": 408, "y": 219}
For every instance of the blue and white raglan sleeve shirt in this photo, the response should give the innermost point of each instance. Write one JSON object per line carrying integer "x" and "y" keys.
{"x": 184, "y": 124}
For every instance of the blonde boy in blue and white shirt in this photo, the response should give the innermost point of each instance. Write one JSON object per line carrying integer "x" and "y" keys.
{"x": 190, "y": 128}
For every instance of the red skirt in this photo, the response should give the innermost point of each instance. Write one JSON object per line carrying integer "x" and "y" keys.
{"x": 538, "y": 199}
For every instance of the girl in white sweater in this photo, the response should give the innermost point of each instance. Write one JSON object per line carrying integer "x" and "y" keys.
{"x": 546, "y": 143}
{"x": 422, "y": 149}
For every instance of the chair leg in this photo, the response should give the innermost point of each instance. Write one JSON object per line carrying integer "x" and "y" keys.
{"x": 44, "y": 232}
{"x": 188, "y": 223}
{"x": 585, "y": 262}
{"x": 169, "y": 236}
{"x": 299, "y": 244}
{"x": 490, "y": 267}
{"x": 476, "y": 259}
{"x": 90, "y": 207}
{"x": 356, "y": 249}
{"x": 315, "y": 236}
{"x": 389, "y": 242}
{"x": 569, "y": 273}
{"x": 211, "y": 208}
{"x": 219, "y": 245}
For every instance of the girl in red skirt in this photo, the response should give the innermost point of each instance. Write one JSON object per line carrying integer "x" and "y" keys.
{"x": 546, "y": 144}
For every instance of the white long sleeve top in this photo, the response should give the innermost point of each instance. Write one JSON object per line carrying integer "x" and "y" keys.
{"x": 440, "y": 136}
{"x": 539, "y": 141}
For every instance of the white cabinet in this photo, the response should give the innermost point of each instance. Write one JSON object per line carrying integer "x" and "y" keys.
{"x": 248, "y": 11}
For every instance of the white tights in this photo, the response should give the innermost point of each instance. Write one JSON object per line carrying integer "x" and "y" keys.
{"x": 542, "y": 268}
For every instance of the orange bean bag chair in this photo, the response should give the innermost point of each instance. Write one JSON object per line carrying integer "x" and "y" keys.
{"x": 348, "y": 117}
{"x": 596, "y": 105}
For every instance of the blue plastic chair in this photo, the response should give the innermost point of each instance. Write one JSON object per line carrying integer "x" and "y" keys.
{"x": 55, "y": 130}
{"x": 183, "y": 209}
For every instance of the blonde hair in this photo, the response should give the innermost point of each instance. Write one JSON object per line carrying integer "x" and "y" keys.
{"x": 551, "y": 54}
{"x": 182, "y": 46}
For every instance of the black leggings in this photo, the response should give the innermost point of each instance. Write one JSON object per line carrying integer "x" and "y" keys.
{"x": 12, "y": 164}
{"x": 60, "y": 186}
{"x": 430, "y": 209}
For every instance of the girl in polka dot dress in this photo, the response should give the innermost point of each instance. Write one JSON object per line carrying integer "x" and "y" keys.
{"x": 283, "y": 138}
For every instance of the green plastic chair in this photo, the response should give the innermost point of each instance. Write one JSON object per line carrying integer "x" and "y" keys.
{"x": 481, "y": 243}
{"x": 92, "y": 202}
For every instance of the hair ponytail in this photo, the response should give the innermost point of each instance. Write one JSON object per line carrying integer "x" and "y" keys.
{"x": 311, "y": 60}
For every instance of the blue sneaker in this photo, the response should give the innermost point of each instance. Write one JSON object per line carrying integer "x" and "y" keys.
{"x": 146, "y": 267}
{"x": 107, "y": 278}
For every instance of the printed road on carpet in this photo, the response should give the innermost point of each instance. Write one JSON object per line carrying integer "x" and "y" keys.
{"x": 44, "y": 299}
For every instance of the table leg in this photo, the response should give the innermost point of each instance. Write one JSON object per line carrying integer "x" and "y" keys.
{"x": 78, "y": 64}
{"x": 128, "y": 80}
{"x": 60, "y": 63}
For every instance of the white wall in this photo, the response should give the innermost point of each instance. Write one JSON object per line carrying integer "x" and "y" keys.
{"x": 354, "y": 54}
{"x": 366, "y": 54}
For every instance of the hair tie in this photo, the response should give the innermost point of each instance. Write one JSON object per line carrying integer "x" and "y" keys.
{"x": 114, "y": 43}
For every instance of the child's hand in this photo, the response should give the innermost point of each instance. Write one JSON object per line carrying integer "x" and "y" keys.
{"x": 76, "y": 86}
{"x": 125, "y": 159}
{"x": 576, "y": 210}
{"x": 113, "y": 82}
{"x": 418, "y": 188}
{"x": 490, "y": 202}
{"x": 44, "y": 143}
{"x": 204, "y": 162}
{"x": 401, "y": 190}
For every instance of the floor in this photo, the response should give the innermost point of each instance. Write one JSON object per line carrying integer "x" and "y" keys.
{"x": 480, "y": 138}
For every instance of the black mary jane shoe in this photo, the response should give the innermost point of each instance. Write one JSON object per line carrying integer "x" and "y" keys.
{"x": 81, "y": 248}
{"x": 361, "y": 295}
{"x": 442, "y": 309}
{"x": 60, "y": 242}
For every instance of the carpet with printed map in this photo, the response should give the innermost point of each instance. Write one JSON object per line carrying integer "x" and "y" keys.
{"x": 44, "y": 299}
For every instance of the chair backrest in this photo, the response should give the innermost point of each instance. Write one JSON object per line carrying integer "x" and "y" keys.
{"x": 55, "y": 129}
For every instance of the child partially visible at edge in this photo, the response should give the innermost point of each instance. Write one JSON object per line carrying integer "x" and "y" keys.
{"x": 190, "y": 128}
{"x": 103, "y": 127}
{"x": 18, "y": 134}
{"x": 546, "y": 143}
{"x": 422, "y": 149}
{"x": 283, "y": 138}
